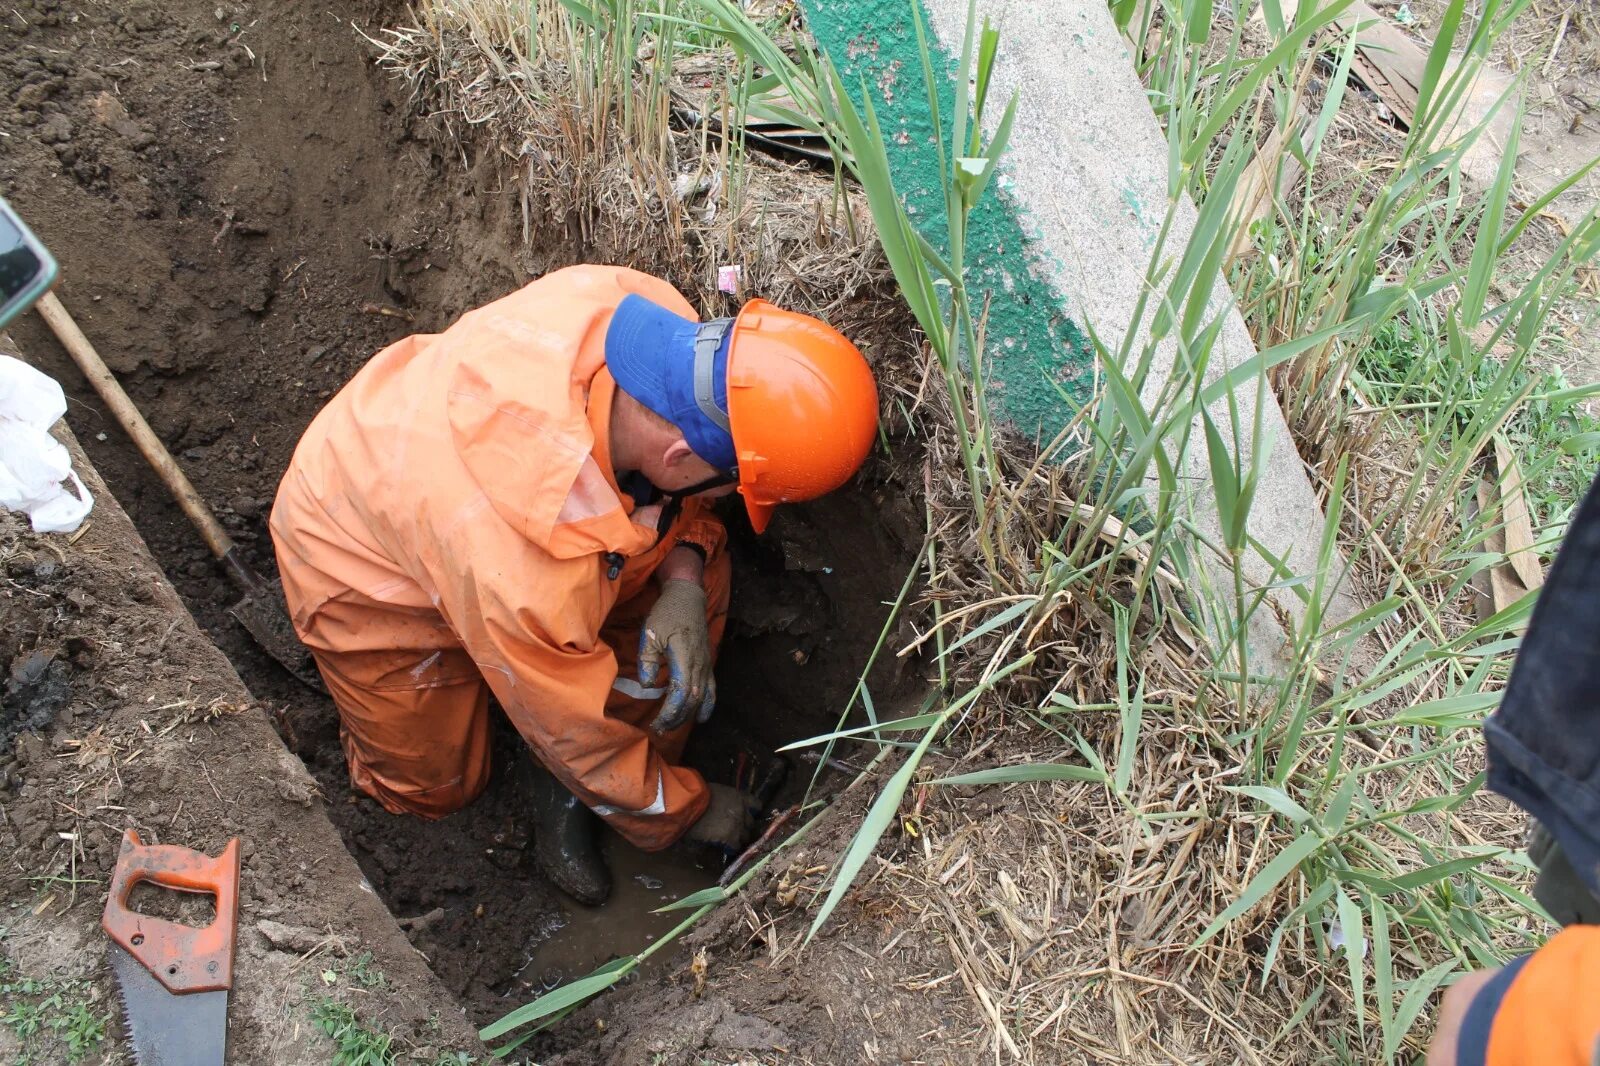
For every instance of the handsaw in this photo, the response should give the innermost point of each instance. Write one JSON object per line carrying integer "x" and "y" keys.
{"x": 174, "y": 979}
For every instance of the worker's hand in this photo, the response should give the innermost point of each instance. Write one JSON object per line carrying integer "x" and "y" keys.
{"x": 729, "y": 821}
{"x": 676, "y": 631}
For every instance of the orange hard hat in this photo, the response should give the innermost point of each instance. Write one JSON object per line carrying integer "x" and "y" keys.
{"x": 802, "y": 408}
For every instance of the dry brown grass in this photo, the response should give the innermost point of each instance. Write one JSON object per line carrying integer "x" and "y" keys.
{"x": 1067, "y": 911}
{"x": 633, "y": 184}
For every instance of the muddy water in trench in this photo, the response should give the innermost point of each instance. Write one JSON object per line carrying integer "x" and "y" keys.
{"x": 585, "y": 937}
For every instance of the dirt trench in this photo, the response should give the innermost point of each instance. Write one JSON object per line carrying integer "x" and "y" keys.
{"x": 245, "y": 210}
{"x": 150, "y": 729}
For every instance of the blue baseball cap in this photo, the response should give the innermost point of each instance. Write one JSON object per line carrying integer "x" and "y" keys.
{"x": 678, "y": 369}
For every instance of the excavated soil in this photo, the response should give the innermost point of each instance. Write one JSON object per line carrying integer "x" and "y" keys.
{"x": 123, "y": 715}
{"x": 244, "y": 210}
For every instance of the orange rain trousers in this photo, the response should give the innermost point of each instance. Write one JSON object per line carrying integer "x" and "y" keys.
{"x": 451, "y": 525}
{"x": 421, "y": 716}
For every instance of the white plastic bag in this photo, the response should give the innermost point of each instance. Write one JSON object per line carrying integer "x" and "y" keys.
{"x": 35, "y": 468}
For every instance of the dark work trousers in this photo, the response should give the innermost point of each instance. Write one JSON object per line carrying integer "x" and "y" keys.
{"x": 1544, "y": 740}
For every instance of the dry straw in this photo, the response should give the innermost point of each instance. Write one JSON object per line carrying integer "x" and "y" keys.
{"x": 606, "y": 118}
{"x": 1193, "y": 859}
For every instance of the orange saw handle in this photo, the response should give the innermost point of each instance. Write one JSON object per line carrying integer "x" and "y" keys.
{"x": 182, "y": 958}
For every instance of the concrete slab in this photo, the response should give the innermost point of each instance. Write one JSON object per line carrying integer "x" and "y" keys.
{"x": 1067, "y": 243}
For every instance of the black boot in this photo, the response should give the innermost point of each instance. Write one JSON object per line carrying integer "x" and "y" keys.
{"x": 564, "y": 841}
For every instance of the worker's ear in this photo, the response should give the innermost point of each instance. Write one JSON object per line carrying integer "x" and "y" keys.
{"x": 677, "y": 453}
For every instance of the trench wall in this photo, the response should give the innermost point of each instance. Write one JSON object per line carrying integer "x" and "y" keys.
{"x": 161, "y": 736}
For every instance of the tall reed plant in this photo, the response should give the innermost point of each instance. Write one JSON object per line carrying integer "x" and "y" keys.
{"x": 1352, "y": 757}
{"x": 1358, "y": 750}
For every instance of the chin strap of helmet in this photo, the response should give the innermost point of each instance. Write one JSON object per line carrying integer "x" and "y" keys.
{"x": 674, "y": 500}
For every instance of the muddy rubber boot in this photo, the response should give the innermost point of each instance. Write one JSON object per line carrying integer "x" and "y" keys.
{"x": 565, "y": 842}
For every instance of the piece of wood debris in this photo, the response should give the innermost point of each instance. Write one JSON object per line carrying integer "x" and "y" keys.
{"x": 1392, "y": 65}
{"x": 1503, "y": 507}
{"x": 387, "y": 312}
{"x": 1256, "y": 196}
{"x": 1518, "y": 532}
{"x": 301, "y": 940}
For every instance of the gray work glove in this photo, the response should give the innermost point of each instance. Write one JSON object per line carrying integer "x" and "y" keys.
{"x": 676, "y": 631}
{"x": 729, "y": 821}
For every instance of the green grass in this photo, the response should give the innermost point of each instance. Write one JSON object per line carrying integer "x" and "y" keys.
{"x": 358, "y": 1041}
{"x": 1353, "y": 770}
{"x": 54, "y": 1020}
{"x": 355, "y": 1044}
{"x": 361, "y": 971}
{"x": 1385, "y": 317}
{"x": 1553, "y": 431}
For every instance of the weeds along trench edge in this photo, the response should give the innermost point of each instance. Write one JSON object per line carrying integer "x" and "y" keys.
{"x": 1119, "y": 558}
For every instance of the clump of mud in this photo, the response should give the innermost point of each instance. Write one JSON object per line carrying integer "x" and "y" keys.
{"x": 39, "y": 653}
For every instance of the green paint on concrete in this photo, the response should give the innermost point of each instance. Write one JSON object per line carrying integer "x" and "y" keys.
{"x": 1148, "y": 227}
{"x": 1036, "y": 352}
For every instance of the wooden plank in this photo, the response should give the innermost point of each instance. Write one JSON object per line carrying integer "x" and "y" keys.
{"x": 1256, "y": 195}
{"x": 1392, "y": 66}
{"x": 1387, "y": 61}
{"x": 1503, "y": 508}
{"x": 1519, "y": 538}
{"x": 1504, "y": 587}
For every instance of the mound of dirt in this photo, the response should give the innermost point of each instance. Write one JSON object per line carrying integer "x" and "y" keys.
{"x": 241, "y": 214}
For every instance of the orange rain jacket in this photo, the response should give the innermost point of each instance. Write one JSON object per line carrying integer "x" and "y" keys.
{"x": 457, "y": 495}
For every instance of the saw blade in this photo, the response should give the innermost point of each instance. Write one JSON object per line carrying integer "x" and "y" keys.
{"x": 166, "y": 1029}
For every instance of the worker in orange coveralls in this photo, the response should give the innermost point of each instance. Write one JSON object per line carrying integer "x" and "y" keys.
{"x": 521, "y": 500}
{"x": 1544, "y": 753}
